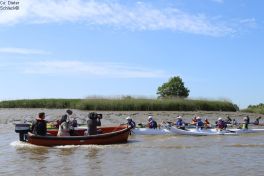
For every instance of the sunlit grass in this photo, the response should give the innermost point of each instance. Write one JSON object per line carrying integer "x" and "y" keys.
{"x": 123, "y": 104}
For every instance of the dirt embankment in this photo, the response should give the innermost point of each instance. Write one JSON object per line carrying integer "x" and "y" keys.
{"x": 118, "y": 117}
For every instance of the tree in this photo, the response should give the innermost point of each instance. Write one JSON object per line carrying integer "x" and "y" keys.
{"x": 173, "y": 88}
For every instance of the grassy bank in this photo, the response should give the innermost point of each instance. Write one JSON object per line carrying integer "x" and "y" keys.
{"x": 259, "y": 109}
{"x": 130, "y": 104}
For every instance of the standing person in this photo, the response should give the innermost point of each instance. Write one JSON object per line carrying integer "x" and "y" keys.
{"x": 246, "y": 122}
{"x": 39, "y": 125}
{"x": 130, "y": 122}
{"x": 152, "y": 123}
{"x": 92, "y": 124}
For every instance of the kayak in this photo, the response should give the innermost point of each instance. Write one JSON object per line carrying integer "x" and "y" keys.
{"x": 150, "y": 131}
{"x": 202, "y": 132}
{"x": 210, "y": 132}
{"x": 108, "y": 135}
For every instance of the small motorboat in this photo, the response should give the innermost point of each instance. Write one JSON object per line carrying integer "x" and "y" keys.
{"x": 108, "y": 135}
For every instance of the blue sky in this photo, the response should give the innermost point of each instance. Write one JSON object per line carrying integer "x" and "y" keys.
{"x": 77, "y": 48}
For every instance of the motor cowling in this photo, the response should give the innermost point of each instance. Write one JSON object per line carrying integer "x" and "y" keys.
{"x": 22, "y": 129}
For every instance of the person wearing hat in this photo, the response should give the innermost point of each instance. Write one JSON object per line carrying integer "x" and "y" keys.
{"x": 220, "y": 124}
{"x": 39, "y": 125}
{"x": 130, "y": 122}
{"x": 152, "y": 123}
{"x": 179, "y": 123}
{"x": 199, "y": 124}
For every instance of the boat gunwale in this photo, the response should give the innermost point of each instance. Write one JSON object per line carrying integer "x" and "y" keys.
{"x": 97, "y": 136}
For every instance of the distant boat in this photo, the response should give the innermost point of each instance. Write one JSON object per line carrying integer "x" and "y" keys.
{"x": 109, "y": 135}
{"x": 210, "y": 132}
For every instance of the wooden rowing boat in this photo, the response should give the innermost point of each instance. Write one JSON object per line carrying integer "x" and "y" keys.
{"x": 109, "y": 135}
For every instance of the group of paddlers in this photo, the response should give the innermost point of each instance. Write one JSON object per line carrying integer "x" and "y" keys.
{"x": 220, "y": 123}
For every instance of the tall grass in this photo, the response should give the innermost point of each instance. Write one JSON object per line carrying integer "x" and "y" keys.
{"x": 125, "y": 104}
{"x": 40, "y": 103}
{"x": 255, "y": 109}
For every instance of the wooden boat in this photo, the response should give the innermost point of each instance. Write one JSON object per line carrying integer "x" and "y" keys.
{"x": 109, "y": 135}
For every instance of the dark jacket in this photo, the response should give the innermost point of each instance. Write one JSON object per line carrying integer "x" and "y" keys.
{"x": 39, "y": 127}
{"x": 92, "y": 126}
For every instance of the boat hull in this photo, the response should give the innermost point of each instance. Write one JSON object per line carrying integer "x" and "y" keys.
{"x": 118, "y": 135}
{"x": 149, "y": 131}
{"x": 210, "y": 132}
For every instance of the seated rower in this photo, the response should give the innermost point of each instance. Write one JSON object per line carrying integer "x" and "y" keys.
{"x": 130, "y": 122}
{"x": 152, "y": 123}
{"x": 257, "y": 120}
{"x": 220, "y": 124}
{"x": 207, "y": 123}
{"x": 194, "y": 120}
{"x": 199, "y": 124}
{"x": 179, "y": 123}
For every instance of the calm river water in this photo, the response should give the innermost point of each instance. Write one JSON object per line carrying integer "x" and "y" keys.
{"x": 142, "y": 155}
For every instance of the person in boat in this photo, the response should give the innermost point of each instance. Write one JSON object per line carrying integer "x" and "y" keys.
{"x": 66, "y": 117}
{"x": 207, "y": 123}
{"x": 246, "y": 122}
{"x": 194, "y": 120}
{"x": 228, "y": 120}
{"x": 39, "y": 125}
{"x": 152, "y": 123}
{"x": 99, "y": 117}
{"x": 180, "y": 123}
{"x": 234, "y": 122}
{"x": 92, "y": 124}
{"x": 256, "y": 122}
{"x": 130, "y": 122}
{"x": 64, "y": 128}
{"x": 220, "y": 124}
{"x": 199, "y": 124}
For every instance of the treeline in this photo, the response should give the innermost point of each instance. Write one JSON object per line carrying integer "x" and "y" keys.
{"x": 123, "y": 104}
{"x": 255, "y": 108}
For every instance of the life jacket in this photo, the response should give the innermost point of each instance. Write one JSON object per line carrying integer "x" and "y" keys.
{"x": 179, "y": 123}
{"x": 40, "y": 127}
{"x": 132, "y": 124}
{"x": 221, "y": 124}
{"x": 200, "y": 124}
{"x": 153, "y": 124}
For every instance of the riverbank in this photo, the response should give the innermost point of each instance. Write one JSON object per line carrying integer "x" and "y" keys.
{"x": 14, "y": 115}
{"x": 124, "y": 104}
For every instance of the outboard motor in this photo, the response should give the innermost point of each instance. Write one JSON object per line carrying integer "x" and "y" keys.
{"x": 22, "y": 129}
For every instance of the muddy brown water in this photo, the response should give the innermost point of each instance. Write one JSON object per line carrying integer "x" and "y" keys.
{"x": 142, "y": 155}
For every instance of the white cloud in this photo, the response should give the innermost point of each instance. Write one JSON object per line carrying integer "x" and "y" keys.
{"x": 139, "y": 16}
{"x": 99, "y": 69}
{"x": 25, "y": 51}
